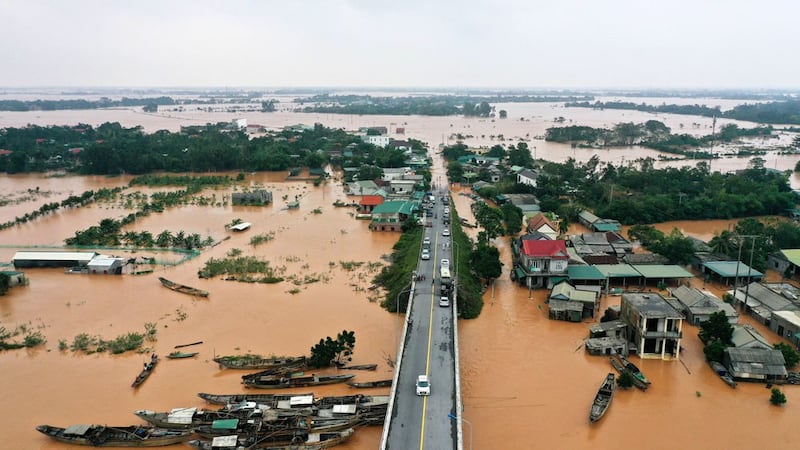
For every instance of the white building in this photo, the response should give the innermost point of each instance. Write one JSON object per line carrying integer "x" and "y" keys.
{"x": 240, "y": 123}
{"x": 108, "y": 265}
{"x": 379, "y": 141}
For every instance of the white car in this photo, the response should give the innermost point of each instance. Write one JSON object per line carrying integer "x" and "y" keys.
{"x": 444, "y": 301}
{"x": 446, "y": 232}
{"x": 423, "y": 385}
{"x": 446, "y": 263}
{"x": 425, "y": 254}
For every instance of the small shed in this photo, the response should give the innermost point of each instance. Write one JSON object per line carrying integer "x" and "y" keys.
{"x": 241, "y": 226}
{"x": 729, "y": 271}
{"x": 15, "y": 277}
{"x": 566, "y": 310}
{"x": 107, "y": 265}
{"x": 755, "y": 364}
{"x": 52, "y": 259}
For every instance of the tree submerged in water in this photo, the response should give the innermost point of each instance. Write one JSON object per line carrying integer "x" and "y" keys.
{"x": 329, "y": 352}
{"x": 777, "y": 398}
{"x": 625, "y": 380}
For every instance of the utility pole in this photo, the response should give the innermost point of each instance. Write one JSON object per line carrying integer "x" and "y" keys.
{"x": 740, "y": 238}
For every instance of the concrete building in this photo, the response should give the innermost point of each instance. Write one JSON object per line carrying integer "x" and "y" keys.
{"x": 378, "y": 141}
{"x": 787, "y": 324}
{"x": 656, "y": 326}
{"x": 106, "y": 265}
{"x": 527, "y": 177}
{"x": 539, "y": 261}
{"x": 15, "y": 277}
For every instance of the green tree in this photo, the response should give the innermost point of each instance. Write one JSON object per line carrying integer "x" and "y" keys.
{"x": 625, "y": 380}
{"x": 485, "y": 261}
{"x": 714, "y": 351}
{"x": 777, "y": 398}
{"x": 330, "y": 352}
{"x": 520, "y": 155}
{"x": 646, "y": 234}
{"x": 490, "y": 219}
{"x": 512, "y": 216}
{"x": 790, "y": 355}
{"x": 675, "y": 247}
{"x": 503, "y": 114}
{"x": 716, "y": 329}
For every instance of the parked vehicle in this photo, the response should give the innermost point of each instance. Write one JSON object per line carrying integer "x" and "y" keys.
{"x": 423, "y": 385}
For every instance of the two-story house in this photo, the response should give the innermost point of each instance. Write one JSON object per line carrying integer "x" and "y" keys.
{"x": 390, "y": 216}
{"x": 656, "y": 327}
{"x": 539, "y": 261}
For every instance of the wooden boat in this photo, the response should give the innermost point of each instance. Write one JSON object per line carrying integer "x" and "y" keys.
{"x": 616, "y": 362}
{"x": 182, "y": 288}
{"x": 360, "y": 367}
{"x": 185, "y": 418}
{"x": 251, "y": 362}
{"x": 224, "y": 427}
{"x": 723, "y": 373}
{"x": 291, "y": 370}
{"x": 181, "y": 355}
{"x": 105, "y": 436}
{"x": 603, "y": 399}
{"x": 146, "y": 371}
{"x": 265, "y": 399}
{"x": 633, "y": 369}
{"x": 370, "y": 384}
{"x": 293, "y": 382}
{"x": 316, "y": 441}
{"x": 250, "y": 441}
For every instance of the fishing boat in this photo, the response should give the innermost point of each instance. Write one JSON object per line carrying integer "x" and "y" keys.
{"x": 633, "y": 369}
{"x": 293, "y": 205}
{"x": 146, "y": 371}
{"x": 182, "y": 288}
{"x": 264, "y": 399}
{"x": 370, "y": 384}
{"x": 723, "y": 373}
{"x": 293, "y": 382}
{"x": 105, "y": 436}
{"x": 181, "y": 355}
{"x": 316, "y": 441}
{"x": 255, "y": 362}
{"x": 225, "y": 427}
{"x": 603, "y": 399}
{"x": 617, "y": 363}
{"x": 185, "y": 418}
{"x": 360, "y": 367}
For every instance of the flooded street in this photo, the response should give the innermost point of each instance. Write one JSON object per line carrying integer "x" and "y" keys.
{"x": 527, "y": 382}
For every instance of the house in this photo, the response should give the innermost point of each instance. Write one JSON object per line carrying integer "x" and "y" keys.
{"x": 108, "y": 265}
{"x": 391, "y": 173}
{"x": 239, "y": 124}
{"x": 730, "y": 271}
{"x": 699, "y": 305}
{"x": 566, "y": 310}
{"x": 402, "y": 186}
{"x": 588, "y": 299}
{"x": 52, "y": 259}
{"x": 656, "y": 327}
{"x": 390, "y": 215}
{"x": 539, "y": 261}
{"x": 527, "y": 177}
{"x": 785, "y": 261}
{"x": 594, "y": 223}
{"x": 745, "y": 336}
{"x": 368, "y": 203}
{"x": 255, "y": 197}
{"x": 787, "y": 324}
{"x": 378, "y": 141}
{"x": 365, "y": 187}
{"x": 541, "y": 224}
{"x": 527, "y": 203}
{"x": 606, "y": 338}
{"x": 760, "y": 300}
{"x": 752, "y": 364}
{"x": 601, "y": 244}
{"x": 241, "y": 226}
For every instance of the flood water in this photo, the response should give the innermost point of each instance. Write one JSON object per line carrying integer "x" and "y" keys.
{"x": 527, "y": 383}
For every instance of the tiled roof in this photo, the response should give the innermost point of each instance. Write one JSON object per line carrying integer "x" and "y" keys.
{"x": 552, "y": 249}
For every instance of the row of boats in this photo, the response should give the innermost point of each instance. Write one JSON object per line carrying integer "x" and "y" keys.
{"x": 262, "y": 421}
{"x": 602, "y": 400}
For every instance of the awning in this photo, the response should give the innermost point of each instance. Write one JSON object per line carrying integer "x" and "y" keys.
{"x": 225, "y": 424}
{"x": 520, "y": 274}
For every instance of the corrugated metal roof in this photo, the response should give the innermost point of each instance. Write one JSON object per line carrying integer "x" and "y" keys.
{"x": 792, "y": 255}
{"x": 617, "y": 271}
{"x": 584, "y": 273}
{"x": 662, "y": 271}
{"x": 729, "y": 269}
{"x": 55, "y": 256}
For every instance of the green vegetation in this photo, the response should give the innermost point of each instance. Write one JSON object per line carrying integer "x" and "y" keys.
{"x": 96, "y": 344}
{"x": 248, "y": 269}
{"x": 329, "y": 352}
{"x": 674, "y": 246}
{"x": 777, "y": 398}
{"x": 396, "y": 277}
{"x": 772, "y": 234}
{"x": 790, "y": 355}
{"x": 262, "y": 238}
{"x": 30, "y": 337}
{"x": 716, "y": 334}
{"x": 109, "y": 233}
{"x": 625, "y": 380}
{"x": 5, "y": 283}
{"x": 55, "y": 105}
{"x": 652, "y": 134}
{"x": 73, "y": 201}
{"x": 783, "y": 112}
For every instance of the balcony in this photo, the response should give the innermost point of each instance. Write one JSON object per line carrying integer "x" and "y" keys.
{"x": 662, "y": 334}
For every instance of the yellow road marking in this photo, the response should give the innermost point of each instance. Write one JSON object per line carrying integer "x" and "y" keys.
{"x": 428, "y": 357}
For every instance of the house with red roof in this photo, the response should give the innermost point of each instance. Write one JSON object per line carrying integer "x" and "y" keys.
{"x": 368, "y": 203}
{"x": 541, "y": 224}
{"x": 5, "y": 152}
{"x": 541, "y": 263}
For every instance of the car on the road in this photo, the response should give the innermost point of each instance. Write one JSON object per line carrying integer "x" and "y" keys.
{"x": 444, "y": 301}
{"x": 426, "y": 241}
{"x": 446, "y": 232}
{"x": 423, "y": 385}
{"x": 426, "y": 254}
{"x": 445, "y": 263}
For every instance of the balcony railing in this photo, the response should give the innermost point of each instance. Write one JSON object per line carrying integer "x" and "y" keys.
{"x": 662, "y": 334}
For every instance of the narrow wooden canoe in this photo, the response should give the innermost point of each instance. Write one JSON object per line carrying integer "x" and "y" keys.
{"x": 603, "y": 399}
{"x": 105, "y": 436}
{"x": 182, "y": 288}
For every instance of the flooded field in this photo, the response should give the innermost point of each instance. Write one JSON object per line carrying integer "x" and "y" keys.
{"x": 527, "y": 381}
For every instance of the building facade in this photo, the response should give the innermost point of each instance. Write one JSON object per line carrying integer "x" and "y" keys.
{"x": 656, "y": 328}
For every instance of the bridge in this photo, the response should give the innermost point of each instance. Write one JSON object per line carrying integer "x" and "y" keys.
{"x": 428, "y": 346}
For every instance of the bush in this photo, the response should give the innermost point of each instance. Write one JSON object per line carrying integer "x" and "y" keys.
{"x": 625, "y": 380}
{"x": 777, "y": 398}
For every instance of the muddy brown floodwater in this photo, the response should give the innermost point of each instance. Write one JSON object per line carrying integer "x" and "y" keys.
{"x": 527, "y": 383}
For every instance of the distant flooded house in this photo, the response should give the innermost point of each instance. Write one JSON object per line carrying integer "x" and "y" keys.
{"x": 565, "y": 310}
{"x": 760, "y": 300}
{"x": 390, "y": 215}
{"x": 785, "y": 261}
{"x": 52, "y": 259}
{"x": 699, "y": 305}
{"x": 362, "y": 187}
{"x": 368, "y": 203}
{"x": 527, "y": 203}
{"x": 594, "y": 223}
{"x": 606, "y": 338}
{"x": 105, "y": 265}
{"x": 527, "y": 177}
{"x": 588, "y": 299}
{"x": 255, "y": 197}
{"x": 752, "y": 364}
{"x": 656, "y": 327}
{"x": 541, "y": 224}
{"x": 539, "y": 261}
{"x": 15, "y": 277}
{"x": 787, "y": 325}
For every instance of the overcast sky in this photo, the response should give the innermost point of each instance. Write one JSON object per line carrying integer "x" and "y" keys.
{"x": 401, "y": 43}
